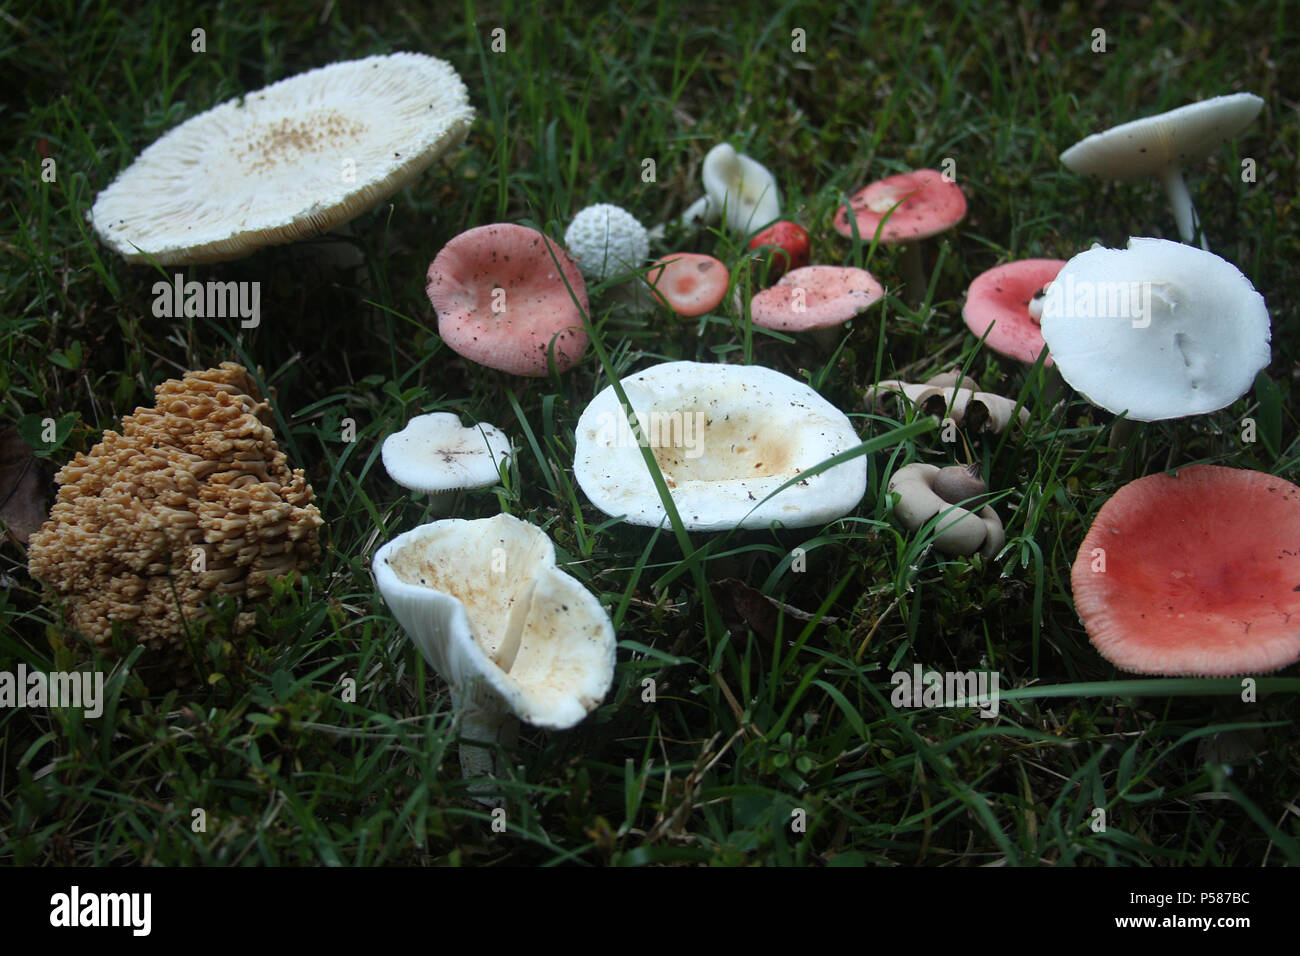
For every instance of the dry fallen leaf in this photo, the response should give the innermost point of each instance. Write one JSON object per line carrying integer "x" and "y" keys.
{"x": 22, "y": 492}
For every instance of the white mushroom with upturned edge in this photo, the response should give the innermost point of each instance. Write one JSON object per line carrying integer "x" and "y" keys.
{"x": 1158, "y": 330}
{"x": 515, "y": 637}
{"x": 956, "y": 495}
{"x": 738, "y": 187}
{"x": 436, "y": 455}
{"x": 1162, "y": 145}
{"x": 724, "y": 437}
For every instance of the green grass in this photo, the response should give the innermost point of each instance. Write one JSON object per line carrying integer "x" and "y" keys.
{"x": 745, "y": 729}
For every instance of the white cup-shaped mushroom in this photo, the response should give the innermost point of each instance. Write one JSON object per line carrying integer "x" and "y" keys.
{"x": 725, "y": 437}
{"x": 1158, "y": 330}
{"x": 515, "y": 637}
{"x": 739, "y": 188}
{"x": 436, "y": 455}
{"x": 960, "y": 530}
{"x": 1162, "y": 145}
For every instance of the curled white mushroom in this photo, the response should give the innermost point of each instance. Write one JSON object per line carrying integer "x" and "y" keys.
{"x": 959, "y": 530}
{"x": 515, "y": 637}
{"x": 940, "y": 395}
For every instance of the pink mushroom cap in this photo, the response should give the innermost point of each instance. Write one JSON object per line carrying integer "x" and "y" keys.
{"x": 930, "y": 204}
{"x": 501, "y": 299}
{"x": 689, "y": 283}
{"x": 1194, "y": 575}
{"x": 815, "y": 297}
{"x": 1000, "y": 298}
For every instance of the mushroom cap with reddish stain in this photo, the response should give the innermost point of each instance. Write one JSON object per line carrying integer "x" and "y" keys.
{"x": 927, "y": 204}
{"x": 831, "y": 296}
{"x": 501, "y": 299}
{"x": 689, "y": 283}
{"x": 1000, "y": 298}
{"x": 1201, "y": 574}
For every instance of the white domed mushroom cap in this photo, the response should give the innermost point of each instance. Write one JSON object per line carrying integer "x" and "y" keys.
{"x": 605, "y": 240}
{"x": 725, "y": 437}
{"x": 434, "y": 454}
{"x": 486, "y": 605}
{"x": 294, "y": 159}
{"x": 1179, "y": 137}
{"x": 1158, "y": 330}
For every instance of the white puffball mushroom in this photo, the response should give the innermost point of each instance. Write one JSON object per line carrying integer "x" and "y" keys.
{"x": 1158, "y": 330}
{"x": 605, "y": 240}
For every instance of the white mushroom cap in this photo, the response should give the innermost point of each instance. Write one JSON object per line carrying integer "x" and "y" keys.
{"x": 739, "y": 187}
{"x": 294, "y": 159}
{"x": 1158, "y": 330}
{"x": 509, "y": 631}
{"x": 1161, "y": 145}
{"x": 725, "y": 437}
{"x": 1179, "y": 137}
{"x": 605, "y": 240}
{"x": 434, "y": 454}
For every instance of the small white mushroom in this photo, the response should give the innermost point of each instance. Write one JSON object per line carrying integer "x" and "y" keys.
{"x": 435, "y": 455}
{"x": 515, "y": 637}
{"x": 960, "y": 530}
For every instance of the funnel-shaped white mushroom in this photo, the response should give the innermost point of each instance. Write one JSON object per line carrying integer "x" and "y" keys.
{"x": 1158, "y": 330}
{"x": 724, "y": 437}
{"x": 436, "y": 455}
{"x": 512, "y": 634}
{"x": 739, "y": 188}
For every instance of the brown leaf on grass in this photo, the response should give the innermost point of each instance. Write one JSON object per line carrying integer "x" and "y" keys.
{"x": 740, "y": 602}
{"x": 22, "y": 492}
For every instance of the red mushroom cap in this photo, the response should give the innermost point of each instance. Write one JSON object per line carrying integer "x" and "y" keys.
{"x": 501, "y": 300}
{"x": 788, "y": 242}
{"x": 815, "y": 297}
{"x": 930, "y": 204}
{"x": 1201, "y": 574}
{"x": 689, "y": 283}
{"x": 1000, "y": 298}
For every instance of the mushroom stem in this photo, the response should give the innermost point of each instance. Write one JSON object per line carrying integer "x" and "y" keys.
{"x": 489, "y": 726}
{"x": 913, "y": 273}
{"x": 1181, "y": 200}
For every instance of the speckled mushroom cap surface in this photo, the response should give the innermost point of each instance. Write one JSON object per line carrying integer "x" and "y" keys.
{"x": 434, "y": 453}
{"x": 724, "y": 437}
{"x": 1194, "y": 574}
{"x": 504, "y": 294}
{"x": 192, "y": 498}
{"x": 1179, "y": 137}
{"x": 486, "y": 605}
{"x": 294, "y": 159}
{"x": 914, "y": 205}
{"x": 815, "y": 297}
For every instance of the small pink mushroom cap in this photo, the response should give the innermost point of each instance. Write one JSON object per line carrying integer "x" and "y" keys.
{"x": 501, "y": 300}
{"x": 689, "y": 283}
{"x": 930, "y": 204}
{"x": 1000, "y": 298}
{"x": 1194, "y": 575}
{"x": 815, "y": 297}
